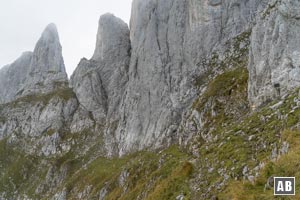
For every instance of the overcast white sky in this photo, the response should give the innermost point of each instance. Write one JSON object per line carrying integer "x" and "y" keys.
{"x": 23, "y": 21}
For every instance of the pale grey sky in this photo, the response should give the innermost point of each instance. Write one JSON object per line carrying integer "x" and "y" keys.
{"x": 23, "y": 21}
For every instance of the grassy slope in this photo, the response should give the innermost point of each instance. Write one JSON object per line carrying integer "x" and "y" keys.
{"x": 242, "y": 138}
{"x": 167, "y": 174}
{"x": 285, "y": 165}
{"x": 162, "y": 175}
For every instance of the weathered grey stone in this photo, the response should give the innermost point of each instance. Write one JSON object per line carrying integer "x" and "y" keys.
{"x": 47, "y": 69}
{"x": 170, "y": 39}
{"x": 87, "y": 84}
{"x": 139, "y": 83}
{"x": 62, "y": 195}
{"x": 103, "y": 192}
{"x": 39, "y": 72}
{"x": 36, "y": 125}
{"x": 13, "y": 76}
{"x": 99, "y": 83}
{"x": 275, "y": 49}
{"x": 123, "y": 178}
{"x": 180, "y": 197}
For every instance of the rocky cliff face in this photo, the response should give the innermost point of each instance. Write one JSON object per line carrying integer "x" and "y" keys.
{"x": 37, "y": 103}
{"x": 39, "y": 71}
{"x": 47, "y": 69}
{"x": 274, "y": 57}
{"x": 178, "y": 75}
{"x": 12, "y": 77}
{"x": 142, "y": 101}
{"x": 139, "y": 83}
{"x": 99, "y": 83}
{"x": 170, "y": 40}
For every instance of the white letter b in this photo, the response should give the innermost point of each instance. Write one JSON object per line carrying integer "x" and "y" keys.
{"x": 288, "y": 186}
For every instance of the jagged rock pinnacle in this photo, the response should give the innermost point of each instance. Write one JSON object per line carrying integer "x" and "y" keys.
{"x": 48, "y": 50}
{"x": 50, "y": 33}
{"x": 99, "y": 82}
{"x": 112, "y": 34}
{"x": 37, "y": 71}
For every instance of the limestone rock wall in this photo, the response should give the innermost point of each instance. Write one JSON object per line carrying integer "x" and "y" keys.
{"x": 170, "y": 39}
{"x": 12, "y": 77}
{"x": 99, "y": 83}
{"x": 275, "y": 51}
{"x": 140, "y": 81}
{"x": 40, "y": 71}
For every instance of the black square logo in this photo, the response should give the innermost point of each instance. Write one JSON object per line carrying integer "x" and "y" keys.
{"x": 284, "y": 185}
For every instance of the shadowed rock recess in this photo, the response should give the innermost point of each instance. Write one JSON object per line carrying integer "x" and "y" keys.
{"x": 195, "y": 100}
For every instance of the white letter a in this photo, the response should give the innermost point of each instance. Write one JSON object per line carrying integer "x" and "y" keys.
{"x": 280, "y": 186}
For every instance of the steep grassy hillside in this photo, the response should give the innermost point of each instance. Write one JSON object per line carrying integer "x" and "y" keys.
{"x": 261, "y": 188}
{"x": 237, "y": 153}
